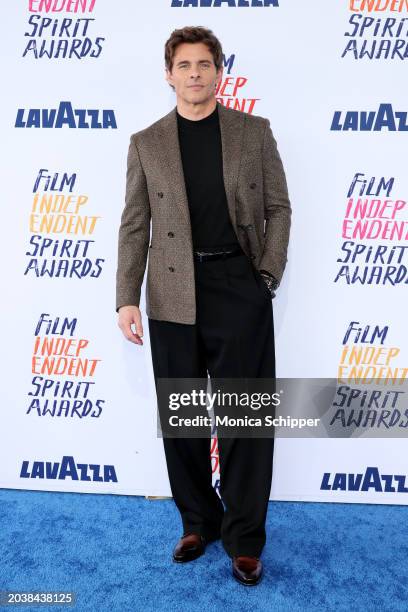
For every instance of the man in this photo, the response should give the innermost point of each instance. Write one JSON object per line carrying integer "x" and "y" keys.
{"x": 207, "y": 177}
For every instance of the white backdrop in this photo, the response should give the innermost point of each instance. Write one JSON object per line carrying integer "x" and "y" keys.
{"x": 291, "y": 56}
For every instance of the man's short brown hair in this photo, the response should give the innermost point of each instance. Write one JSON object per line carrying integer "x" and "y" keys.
{"x": 192, "y": 34}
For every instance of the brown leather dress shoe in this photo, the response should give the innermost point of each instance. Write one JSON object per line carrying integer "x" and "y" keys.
{"x": 247, "y": 570}
{"x": 189, "y": 547}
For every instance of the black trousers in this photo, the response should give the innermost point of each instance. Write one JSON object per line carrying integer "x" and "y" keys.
{"x": 233, "y": 337}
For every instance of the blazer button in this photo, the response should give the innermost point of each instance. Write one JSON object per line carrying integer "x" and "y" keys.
{"x": 171, "y": 268}
{"x": 170, "y": 234}
{"x": 160, "y": 194}
{"x": 252, "y": 185}
{"x": 250, "y": 227}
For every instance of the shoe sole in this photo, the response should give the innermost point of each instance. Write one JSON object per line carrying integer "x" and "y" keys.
{"x": 254, "y": 583}
{"x": 188, "y": 558}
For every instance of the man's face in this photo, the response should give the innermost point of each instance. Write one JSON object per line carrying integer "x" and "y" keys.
{"x": 194, "y": 75}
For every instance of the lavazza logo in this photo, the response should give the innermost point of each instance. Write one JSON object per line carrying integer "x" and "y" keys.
{"x": 370, "y": 480}
{"x": 68, "y": 469}
{"x": 385, "y": 118}
{"x": 66, "y": 115}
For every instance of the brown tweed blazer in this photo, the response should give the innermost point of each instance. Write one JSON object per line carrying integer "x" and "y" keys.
{"x": 258, "y": 204}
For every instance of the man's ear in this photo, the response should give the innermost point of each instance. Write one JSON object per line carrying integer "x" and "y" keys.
{"x": 168, "y": 76}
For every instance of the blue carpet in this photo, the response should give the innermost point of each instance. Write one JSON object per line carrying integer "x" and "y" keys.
{"x": 114, "y": 552}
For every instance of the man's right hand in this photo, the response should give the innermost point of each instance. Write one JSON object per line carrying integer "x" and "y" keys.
{"x": 127, "y": 316}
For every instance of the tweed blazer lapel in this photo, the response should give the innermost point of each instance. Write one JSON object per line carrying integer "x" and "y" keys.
{"x": 168, "y": 150}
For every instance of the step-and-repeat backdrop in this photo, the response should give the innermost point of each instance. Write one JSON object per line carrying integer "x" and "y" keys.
{"x": 78, "y": 408}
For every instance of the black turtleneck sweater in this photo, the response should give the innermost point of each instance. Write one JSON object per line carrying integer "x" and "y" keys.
{"x": 201, "y": 154}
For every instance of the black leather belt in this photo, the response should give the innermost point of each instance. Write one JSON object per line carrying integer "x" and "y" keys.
{"x": 201, "y": 256}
